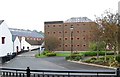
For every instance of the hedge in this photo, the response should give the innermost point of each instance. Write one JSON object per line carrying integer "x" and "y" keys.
{"x": 50, "y": 54}
{"x": 94, "y": 53}
{"x": 75, "y": 57}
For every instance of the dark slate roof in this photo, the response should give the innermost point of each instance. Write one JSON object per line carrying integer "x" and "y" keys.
{"x": 25, "y": 33}
{"x": 79, "y": 19}
{"x": 34, "y": 42}
{"x": 1, "y": 21}
{"x": 13, "y": 37}
{"x": 53, "y": 22}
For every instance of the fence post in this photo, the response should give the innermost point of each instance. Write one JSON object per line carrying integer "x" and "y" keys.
{"x": 117, "y": 71}
{"x": 28, "y": 71}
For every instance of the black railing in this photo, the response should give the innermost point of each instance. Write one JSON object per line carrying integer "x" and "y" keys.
{"x": 8, "y": 72}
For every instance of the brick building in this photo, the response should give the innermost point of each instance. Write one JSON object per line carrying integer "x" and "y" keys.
{"x": 78, "y": 39}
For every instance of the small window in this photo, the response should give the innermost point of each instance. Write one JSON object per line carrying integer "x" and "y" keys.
{"x": 71, "y": 45}
{"x": 60, "y": 32}
{"x": 83, "y": 24}
{"x": 48, "y": 25}
{"x": 65, "y": 31}
{"x": 59, "y": 25}
{"x": 59, "y": 45}
{"x": 3, "y": 40}
{"x": 72, "y": 38}
{"x": 84, "y": 31}
{"x": 65, "y": 38}
{"x": 53, "y": 32}
{"x": 65, "y": 25}
{"x": 84, "y": 45}
{"x": 78, "y": 38}
{"x": 53, "y": 25}
{"x": 78, "y": 31}
{"x": 84, "y": 38}
{"x": 59, "y": 38}
{"x": 48, "y": 32}
{"x": 78, "y": 45}
{"x": 65, "y": 45}
{"x": 77, "y": 24}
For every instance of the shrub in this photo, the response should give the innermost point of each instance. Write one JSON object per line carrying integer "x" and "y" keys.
{"x": 92, "y": 46}
{"x": 45, "y": 52}
{"x": 50, "y": 54}
{"x": 118, "y": 58}
{"x": 87, "y": 61}
{"x": 94, "y": 53}
{"x": 75, "y": 57}
{"x": 98, "y": 61}
{"x": 90, "y": 53}
{"x": 93, "y": 58}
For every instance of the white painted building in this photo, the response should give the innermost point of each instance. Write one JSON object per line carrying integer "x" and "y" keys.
{"x": 16, "y": 44}
{"x": 24, "y": 44}
{"x": 27, "y": 39}
{"x": 6, "y": 45}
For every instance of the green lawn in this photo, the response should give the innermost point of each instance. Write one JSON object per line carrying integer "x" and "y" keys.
{"x": 62, "y": 54}
{"x": 58, "y": 54}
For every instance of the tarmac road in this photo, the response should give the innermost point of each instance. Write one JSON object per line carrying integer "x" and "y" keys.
{"x": 28, "y": 60}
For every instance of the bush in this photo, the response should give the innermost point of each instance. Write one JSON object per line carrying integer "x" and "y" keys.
{"x": 89, "y": 53}
{"x": 87, "y": 61}
{"x": 99, "y": 61}
{"x": 93, "y": 58}
{"x": 75, "y": 57}
{"x": 50, "y": 54}
{"x": 45, "y": 52}
{"x": 118, "y": 58}
{"x": 94, "y": 53}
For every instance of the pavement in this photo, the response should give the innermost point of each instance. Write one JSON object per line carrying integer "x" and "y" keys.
{"x": 58, "y": 63}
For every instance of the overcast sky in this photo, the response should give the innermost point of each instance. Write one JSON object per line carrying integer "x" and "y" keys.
{"x": 31, "y": 14}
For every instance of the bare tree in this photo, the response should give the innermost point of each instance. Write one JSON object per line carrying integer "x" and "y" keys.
{"x": 108, "y": 29}
{"x": 51, "y": 43}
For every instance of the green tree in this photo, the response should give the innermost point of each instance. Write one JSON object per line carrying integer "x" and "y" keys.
{"x": 93, "y": 46}
{"x": 51, "y": 43}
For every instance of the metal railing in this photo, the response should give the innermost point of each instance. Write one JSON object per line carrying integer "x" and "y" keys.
{"x": 11, "y": 72}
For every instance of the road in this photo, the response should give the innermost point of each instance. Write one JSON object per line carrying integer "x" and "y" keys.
{"x": 28, "y": 60}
